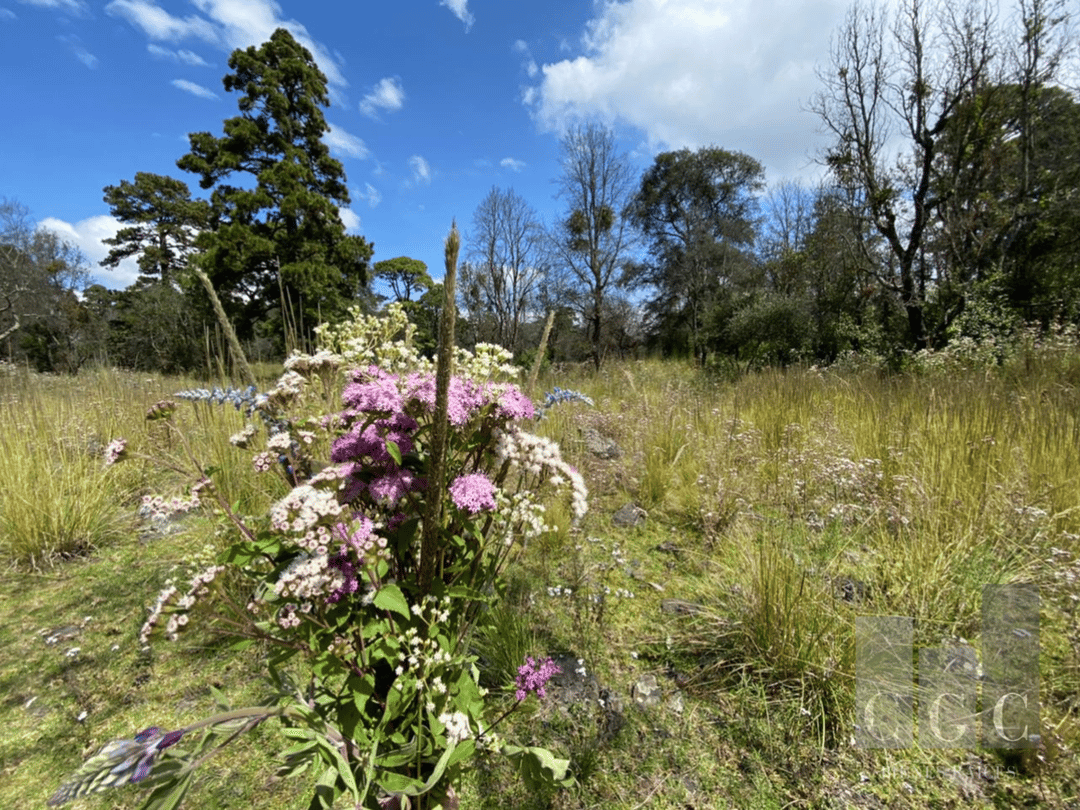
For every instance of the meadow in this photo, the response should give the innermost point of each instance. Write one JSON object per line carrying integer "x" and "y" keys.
{"x": 714, "y": 640}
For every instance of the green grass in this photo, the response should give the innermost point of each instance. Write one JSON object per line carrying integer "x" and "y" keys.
{"x": 766, "y": 498}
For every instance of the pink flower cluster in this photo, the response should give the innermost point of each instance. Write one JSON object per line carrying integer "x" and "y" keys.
{"x": 385, "y": 408}
{"x": 533, "y": 677}
{"x": 473, "y": 493}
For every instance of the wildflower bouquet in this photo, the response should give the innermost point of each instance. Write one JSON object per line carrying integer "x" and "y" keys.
{"x": 407, "y": 500}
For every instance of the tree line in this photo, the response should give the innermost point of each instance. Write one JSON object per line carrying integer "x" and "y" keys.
{"x": 948, "y": 209}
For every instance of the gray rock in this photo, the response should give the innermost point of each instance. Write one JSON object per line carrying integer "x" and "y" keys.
{"x": 599, "y": 445}
{"x": 680, "y": 607}
{"x": 629, "y": 516}
{"x": 647, "y": 691}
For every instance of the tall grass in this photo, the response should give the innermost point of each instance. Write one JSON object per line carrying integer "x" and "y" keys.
{"x": 58, "y": 497}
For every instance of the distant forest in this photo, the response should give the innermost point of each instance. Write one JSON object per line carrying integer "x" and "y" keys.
{"x": 950, "y": 210}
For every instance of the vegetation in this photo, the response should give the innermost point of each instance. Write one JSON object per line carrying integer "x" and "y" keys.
{"x": 779, "y": 509}
{"x": 747, "y": 508}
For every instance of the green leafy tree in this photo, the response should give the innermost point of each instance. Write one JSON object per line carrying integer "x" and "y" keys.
{"x": 405, "y": 276}
{"x": 697, "y": 211}
{"x": 162, "y": 223}
{"x": 274, "y": 233}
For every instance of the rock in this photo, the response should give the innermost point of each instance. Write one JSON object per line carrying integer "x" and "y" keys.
{"x": 599, "y": 445}
{"x": 850, "y": 589}
{"x": 680, "y": 607}
{"x": 647, "y": 691}
{"x": 629, "y": 516}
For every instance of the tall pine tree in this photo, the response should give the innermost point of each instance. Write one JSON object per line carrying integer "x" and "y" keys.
{"x": 275, "y": 246}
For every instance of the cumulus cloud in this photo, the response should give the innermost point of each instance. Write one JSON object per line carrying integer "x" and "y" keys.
{"x": 88, "y": 235}
{"x": 388, "y": 95}
{"x": 194, "y": 89}
{"x": 344, "y": 143}
{"x": 182, "y": 56}
{"x": 421, "y": 169}
{"x": 513, "y": 164}
{"x": 349, "y": 219}
{"x": 460, "y": 9}
{"x": 689, "y": 73}
{"x": 227, "y": 24}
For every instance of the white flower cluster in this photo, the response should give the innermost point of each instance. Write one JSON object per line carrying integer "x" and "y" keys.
{"x": 384, "y": 340}
{"x": 307, "y": 577}
{"x": 301, "y": 510}
{"x": 280, "y": 442}
{"x": 199, "y": 587}
{"x": 242, "y": 438}
{"x": 457, "y": 726}
{"x": 167, "y": 593}
{"x": 158, "y": 508}
{"x": 521, "y": 516}
{"x": 487, "y": 361}
{"x": 536, "y": 455}
{"x": 322, "y": 362}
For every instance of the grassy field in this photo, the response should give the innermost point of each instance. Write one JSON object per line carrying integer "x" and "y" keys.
{"x": 716, "y": 637}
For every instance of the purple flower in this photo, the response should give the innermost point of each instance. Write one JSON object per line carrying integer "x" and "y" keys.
{"x": 119, "y": 762}
{"x": 511, "y": 403}
{"x": 473, "y": 493}
{"x": 391, "y": 488}
{"x": 372, "y": 390}
{"x": 533, "y": 677}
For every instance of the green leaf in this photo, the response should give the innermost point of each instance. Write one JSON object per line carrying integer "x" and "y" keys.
{"x": 169, "y": 794}
{"x": 539, "y": 767}
{"x": 391, "y": 598}
{"x": 394, "y": 451}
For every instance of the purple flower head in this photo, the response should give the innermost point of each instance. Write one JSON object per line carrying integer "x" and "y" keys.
{"x": 350, "y": 579}
{"x": 372, "y": 390}
{"x": 464, "y": 397}
{"x": 473, "y": 493}
{"x": 509, "y": 401}
{"x": 357, "y": 534}
{"x": 533, "y": 677}
{"x": 389, "y": 489}
{"x": 119, "y": 762}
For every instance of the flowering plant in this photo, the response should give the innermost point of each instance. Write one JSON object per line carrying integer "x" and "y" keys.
{"x": 407, "y": 500}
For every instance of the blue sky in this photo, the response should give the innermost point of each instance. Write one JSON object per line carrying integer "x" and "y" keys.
{"x": 433, "y": 103}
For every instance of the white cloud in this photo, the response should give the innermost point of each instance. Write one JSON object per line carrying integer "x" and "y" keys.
{"x": 159, "y": 24}
{"x": 343, "y": 143}
{"x": 349, "y": 219}
{"x": 529, "y": 65}
{"x": 194, "y": 89}
{"x": 388, "y": 94}
{"x": 689, "y": 73}
{"x": 513, "y": 164}
{"x": 87, "y": 235}
{"x": 228, "y": 24}
{"x": 371, "y": 194}
{"x": 421, "y": 169}
{"x": 7, "y": 14}
{"x": 460, "y": 9}
{"x": 76, "y": 7}
{"x": 76, "y": 47}
{"x": 187, "y": 57}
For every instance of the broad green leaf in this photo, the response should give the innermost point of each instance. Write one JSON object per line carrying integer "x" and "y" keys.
{"x": 390, "y": 597}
